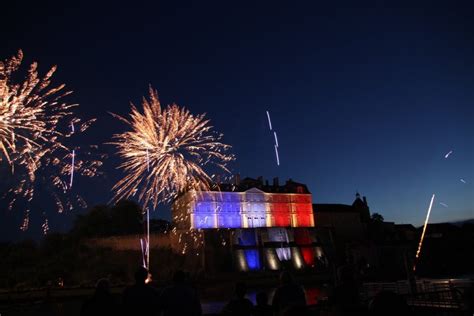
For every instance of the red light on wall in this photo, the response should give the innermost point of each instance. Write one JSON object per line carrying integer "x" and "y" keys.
{"x": 303, "y": 238}
{"x": 281, "y": 214}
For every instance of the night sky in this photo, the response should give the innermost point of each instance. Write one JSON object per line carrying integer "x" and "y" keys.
{"x": 367, "y": 98}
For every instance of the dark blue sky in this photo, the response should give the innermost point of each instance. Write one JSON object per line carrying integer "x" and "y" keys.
{"x": 366, "y": 98}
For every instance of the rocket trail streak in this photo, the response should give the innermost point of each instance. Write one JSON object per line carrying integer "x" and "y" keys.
{"x": 143, "y": 253}
{"x": 147, "y": 238}
{"x": 72, "y": 167}
{"x": 276, "y": 154}
{"x": 269, "y": 120}
{"x": 424, "y": 230}
{"x": 147, "y": 160}
{"x": 447, "y": 155}
{"x": 276, "y": 138}
{"x": 463, "y": 181}
{"x": 443, "y": 204}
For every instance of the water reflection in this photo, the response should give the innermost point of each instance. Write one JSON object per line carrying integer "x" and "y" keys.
{"x": 313, "y": 294}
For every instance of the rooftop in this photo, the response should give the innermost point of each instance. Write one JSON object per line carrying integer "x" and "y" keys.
{"x": 238, "y": 185}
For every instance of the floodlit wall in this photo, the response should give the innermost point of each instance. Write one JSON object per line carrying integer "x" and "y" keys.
{"x": 253, "y": 208}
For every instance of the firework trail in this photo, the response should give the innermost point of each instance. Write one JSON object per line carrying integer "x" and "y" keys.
{"x": 34, "y": 131}
{"x": 463, "y": 181}
{"x": 275, "y": 137}
{"x": 269, "y": 121}
{"x": 72, "y": 167}
{"x": 443, "y": 204}
{"x": 143, "y": 252}
{"x": 276, "y": 154}
{"x": 26, "y": 221}
{"x": 147, "y": 160}
{"x": 448, "y": 154}
{"x": 45, "y": 226}
{"x": 424, "y": 230}
{"x": 147, "y": 238}
{"x": 179, "y": 146}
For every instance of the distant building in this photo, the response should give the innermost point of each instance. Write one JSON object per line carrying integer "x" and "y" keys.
{"x": 348, "y": 225}
{"x": 268, "y": 226}
{"x": 349, "y": 221}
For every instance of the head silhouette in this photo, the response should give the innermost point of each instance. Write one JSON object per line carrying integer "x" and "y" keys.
{"x": 141, "y": 275}
{"x": 388, "y": 303}
{"x": 346, "y": 274}
{"x": 262, "y": 298}
{"x": 102, "y": 287}
{"x": 179, "y": 277}
{"x": 240, "y": 290}
{"x": 286, "y": 278}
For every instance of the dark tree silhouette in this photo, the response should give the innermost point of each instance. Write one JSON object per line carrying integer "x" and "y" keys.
{"x": 377, "y": 218}
{"x": 124, "y": 218}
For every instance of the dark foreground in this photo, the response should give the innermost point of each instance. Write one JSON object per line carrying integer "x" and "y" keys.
{"x": 433, "y": 297}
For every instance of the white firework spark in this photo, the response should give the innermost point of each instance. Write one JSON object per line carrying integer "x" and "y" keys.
{"x": 277, "y": 156}
{"x": 448, "y": 154}
{"x": 269, "y": 121}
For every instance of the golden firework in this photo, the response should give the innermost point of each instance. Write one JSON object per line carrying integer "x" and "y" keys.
{"x": 166, "y": 151}
{"x": 34, "y": 126}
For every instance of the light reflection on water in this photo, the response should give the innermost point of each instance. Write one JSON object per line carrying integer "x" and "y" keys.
{"x": 313, "y": 294}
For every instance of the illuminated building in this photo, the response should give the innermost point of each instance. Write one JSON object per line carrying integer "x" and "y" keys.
{"x": 269, "y": 225}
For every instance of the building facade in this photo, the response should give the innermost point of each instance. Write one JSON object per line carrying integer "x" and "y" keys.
{"x": 270, "y": 226}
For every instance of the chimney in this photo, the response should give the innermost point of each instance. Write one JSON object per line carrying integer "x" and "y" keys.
{"x": 365, "y": 200}
{"x": 275, "y": 182}
{"x": 237, "y": 179}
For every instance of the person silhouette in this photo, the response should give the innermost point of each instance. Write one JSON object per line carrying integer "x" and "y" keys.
{"x": 102, "y": 302}
{"x": 388, "y": 303}
{"x": 345, "y": 299}
{"x": 141, "y": 298}
{"x": 289, "y": 295}
{"x": 180, "y": 298}
{"x": 239, "y": 306}
{"x": 262, "y": 308}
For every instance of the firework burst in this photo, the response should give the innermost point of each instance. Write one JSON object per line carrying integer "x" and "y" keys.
{"x": 34, "y": 129}
{"x": 165, "y": 152}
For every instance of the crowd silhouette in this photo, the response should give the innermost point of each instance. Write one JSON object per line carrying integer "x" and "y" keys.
{"x": 181, "y": 298}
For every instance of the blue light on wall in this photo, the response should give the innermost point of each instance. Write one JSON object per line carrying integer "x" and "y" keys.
{"x": 229, "y": 215}
{"x": 247, "y": 237}
{"x": 204, "y": 215}
{"x": 253, "y": 259}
